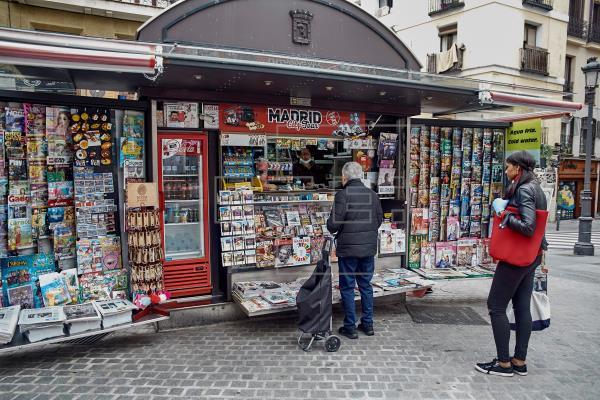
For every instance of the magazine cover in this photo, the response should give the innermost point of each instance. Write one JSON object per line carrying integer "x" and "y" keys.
{"x": 387, "y": 149}
{"x": 366, "y": 159}
{"x": 483, "y": 252}
{"x": 64, "y": 241}
{"x": 57, "y": 134}
{"x": 60, "y": 193}
{"x": 316, "y": 249}
{"x": 39, "y": 225}
{"x": 111, "y": 253}
{"x": 89, "y": 255}
{"x": 17, "y": 169}
{"x": 72, "y": 283}
{"x": 385, "y": 181}
{"x": 131, "y": 149}
{"x": 427, "y": 255}
{"x": 452, "y": 228}
{"x": 284, "y": 252}
{"x": 95, "y": 286}
{"x": 133, "y": 124}
{"x": 466, "y": 252}
{"x": 181, "y": 115}
{"x": 265, "y": 253}
{"x": 445, "y": 254}
{"x": 419, "y": 221}
{"x": 20, "y": 278}
{"x": 386, "y": 242}
{"x": 414, "y": 252}
{"x": 15, "y": 119}
{"x": 19, "y": 234}
{"x": 293, "y": 218}
{"x": 301, "y": 250}
{"x": 54, "y": 289}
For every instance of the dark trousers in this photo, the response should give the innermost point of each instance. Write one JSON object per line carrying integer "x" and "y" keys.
{"x": 516, "y": 284}
{"x": 357, "y": 271}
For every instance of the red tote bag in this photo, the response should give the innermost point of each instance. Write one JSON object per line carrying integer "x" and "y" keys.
{"x": 513, "y": 247}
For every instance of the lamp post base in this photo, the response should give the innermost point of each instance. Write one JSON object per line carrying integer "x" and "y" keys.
{"x": 583, "y": 249}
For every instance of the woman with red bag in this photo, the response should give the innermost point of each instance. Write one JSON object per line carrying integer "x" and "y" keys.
{"x": 512, "y": 282}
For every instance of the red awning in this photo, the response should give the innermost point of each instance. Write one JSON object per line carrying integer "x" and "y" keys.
{"x": 506, "y": 99}
{"x": 54, "y": 51}
{"x": 533, "y": 115}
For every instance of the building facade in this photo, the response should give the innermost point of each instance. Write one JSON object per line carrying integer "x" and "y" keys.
{"x": 534, "y": 47}
{"x": 111, "y": 19}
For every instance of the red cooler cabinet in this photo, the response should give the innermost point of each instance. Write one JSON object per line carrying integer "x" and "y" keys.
{"x": 183, "y": 190}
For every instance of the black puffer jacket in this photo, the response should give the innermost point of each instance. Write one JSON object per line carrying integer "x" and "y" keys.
{"x": 528, "y": 198}
{"x": 355, "y": 219}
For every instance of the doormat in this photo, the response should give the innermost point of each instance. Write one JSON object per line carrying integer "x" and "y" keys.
{"x": 445, "y": 315}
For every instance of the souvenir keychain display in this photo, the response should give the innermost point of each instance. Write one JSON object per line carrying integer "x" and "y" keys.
{"x": 145, "y": 256}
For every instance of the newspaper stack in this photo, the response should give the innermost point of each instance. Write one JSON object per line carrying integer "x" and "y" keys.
{"x": 9, "y": 317}
{"x": 115, "y": 312}
{"x": 42, "y": 323}
{"x": 82, "y": 318}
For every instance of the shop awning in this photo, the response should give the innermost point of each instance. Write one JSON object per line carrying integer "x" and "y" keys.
{"x": 494, "y": 98}
{"x": 37, "y": 49}
{"x": 531, "y": 115}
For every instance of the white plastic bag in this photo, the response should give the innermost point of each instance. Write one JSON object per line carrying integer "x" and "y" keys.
{"x": 540, "y": 312}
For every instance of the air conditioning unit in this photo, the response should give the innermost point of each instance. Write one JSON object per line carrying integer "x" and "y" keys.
{"x": 382, "y": 11}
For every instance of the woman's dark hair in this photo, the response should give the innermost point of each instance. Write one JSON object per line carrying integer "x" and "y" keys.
{"x": 526, "y": 161}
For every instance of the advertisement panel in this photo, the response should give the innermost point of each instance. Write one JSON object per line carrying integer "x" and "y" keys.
{"x": 525, "y": 135}
{"x": 237, "y": 118}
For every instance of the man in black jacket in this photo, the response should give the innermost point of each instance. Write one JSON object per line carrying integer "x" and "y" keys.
{"x": 355, "y": 220}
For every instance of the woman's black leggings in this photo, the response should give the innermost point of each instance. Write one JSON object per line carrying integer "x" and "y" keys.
{"x": 516, "y": 284}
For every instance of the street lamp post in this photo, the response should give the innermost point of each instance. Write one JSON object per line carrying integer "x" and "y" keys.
{"x": 584, "y": 246}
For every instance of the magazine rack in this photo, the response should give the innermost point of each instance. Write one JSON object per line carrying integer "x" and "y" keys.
{"x": 150, "y": 315}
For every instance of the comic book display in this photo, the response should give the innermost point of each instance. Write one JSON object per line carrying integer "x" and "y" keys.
{"x": 454, "y": 175}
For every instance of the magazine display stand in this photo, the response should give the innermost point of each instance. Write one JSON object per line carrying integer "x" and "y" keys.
{"x": 257, "y": 298}
{"x": 454, "y": 173}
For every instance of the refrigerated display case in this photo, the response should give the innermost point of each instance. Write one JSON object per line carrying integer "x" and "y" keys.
{"x": 183, "y": 185}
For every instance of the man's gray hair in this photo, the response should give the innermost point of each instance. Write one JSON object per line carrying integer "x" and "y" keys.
{"x": 352, "y": 170}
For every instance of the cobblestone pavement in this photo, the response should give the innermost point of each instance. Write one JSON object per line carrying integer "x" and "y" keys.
{"x": 258, "y": 359}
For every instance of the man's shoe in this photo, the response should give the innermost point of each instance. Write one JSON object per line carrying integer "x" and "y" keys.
{"x": 367, "y": 330}
{"x": 350, "y": 333}
{"x": 494, "y": 368}
{"x": 519, "y": 370}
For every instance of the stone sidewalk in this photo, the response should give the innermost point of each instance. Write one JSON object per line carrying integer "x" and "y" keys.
{"x": 258, "y": 359}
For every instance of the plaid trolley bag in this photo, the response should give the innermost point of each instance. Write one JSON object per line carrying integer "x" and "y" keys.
{"x": 314, "y": 306}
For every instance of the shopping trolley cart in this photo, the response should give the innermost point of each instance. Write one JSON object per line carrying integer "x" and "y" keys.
{"x": 314, "y": 306}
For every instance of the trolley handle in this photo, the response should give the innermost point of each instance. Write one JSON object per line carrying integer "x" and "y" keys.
{"x": 327, "y": 247}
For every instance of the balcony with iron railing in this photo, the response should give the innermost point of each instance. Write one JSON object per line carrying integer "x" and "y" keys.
{"x": 432, "y": 67}
{"x": 577, "y": 27}
{"x": 440, "y": 6}
{"x": 534, "y": 60}
{"x": 543, "y": 4}
{"x": 593, "y": 32}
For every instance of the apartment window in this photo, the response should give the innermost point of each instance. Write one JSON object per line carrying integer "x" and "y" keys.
{"x": 448, "y": 36}
{"x": 569, "y": 62}
{"x": 530, "y": 38}
{"x": 386, "y": 3}
{"x": 576, "y": 9}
